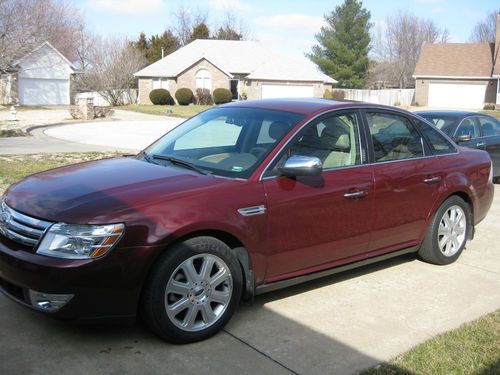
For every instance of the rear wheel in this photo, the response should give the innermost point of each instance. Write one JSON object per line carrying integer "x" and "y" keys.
{"x": 447, "y": 234}
{"x": 193, "y": 290}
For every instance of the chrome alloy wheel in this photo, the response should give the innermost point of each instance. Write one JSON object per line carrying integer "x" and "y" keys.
{"x": 198, "y": 292}
{"x": 452, "y": 230}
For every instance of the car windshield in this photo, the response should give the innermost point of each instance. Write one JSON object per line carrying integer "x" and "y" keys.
{"x": 446, "y": 123}
{"x": 227, "y": 141}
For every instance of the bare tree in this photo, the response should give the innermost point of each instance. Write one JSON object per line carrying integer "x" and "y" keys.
{"x": 25, "y": 24}
{"x": 399, "y": 45}
{"x": 231, "y": 28}
{"x": 111, "y": 64}
{"x": 484, "y": 30}
{"x": 186, "y": 21}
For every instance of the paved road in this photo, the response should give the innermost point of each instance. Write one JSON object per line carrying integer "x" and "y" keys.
{"x": 130, "y": 131}
{"x": 337, "y": 325}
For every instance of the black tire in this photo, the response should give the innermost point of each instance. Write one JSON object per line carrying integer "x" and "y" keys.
{"x": 155, "y": 295}
{"x": 430, "y": 250}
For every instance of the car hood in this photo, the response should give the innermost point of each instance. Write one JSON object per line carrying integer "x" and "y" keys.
{"x": 99, "y": 191}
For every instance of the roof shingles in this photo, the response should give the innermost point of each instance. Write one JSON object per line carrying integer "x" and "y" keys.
{"x": 456, "y": 60}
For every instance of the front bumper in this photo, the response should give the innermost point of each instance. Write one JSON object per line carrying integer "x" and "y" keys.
{"x": 103, "y": 288}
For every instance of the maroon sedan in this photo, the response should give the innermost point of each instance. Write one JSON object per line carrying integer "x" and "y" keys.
{"x": 241, "y": 199}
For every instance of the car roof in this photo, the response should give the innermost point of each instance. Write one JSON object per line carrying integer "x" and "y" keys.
{"x": 449, "y": 113}
{"x": 304, "y": 106}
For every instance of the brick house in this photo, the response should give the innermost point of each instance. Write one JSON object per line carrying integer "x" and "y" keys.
{"x": 459, "y": 75}
{"x": 245, "y": 68}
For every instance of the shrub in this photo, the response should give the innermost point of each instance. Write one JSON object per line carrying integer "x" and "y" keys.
{"x": 160, "y": 97}
{"x": 338, "y": 94}
{"x": 222, "y": 96}
{"x": 203, "y": 97}
{"x": 184, "y": 96}
{"x": 489, "y": 107}
{"x": 327, "y": 94}
{"x": 102, "y": 112}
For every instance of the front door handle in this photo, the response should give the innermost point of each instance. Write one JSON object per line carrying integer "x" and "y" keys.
{"x": 356, "y": 194}
{"x": 432, "y": 180}
{"x": 480, "y": 144}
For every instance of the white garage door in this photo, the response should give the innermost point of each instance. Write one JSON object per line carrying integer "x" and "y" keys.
{"x": 33, "y": 91}
{"x": 456, "y": 95}
{"x": 287, "y": 91}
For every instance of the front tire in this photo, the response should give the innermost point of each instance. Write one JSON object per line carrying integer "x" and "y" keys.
{"x": 448, "y": 232}
{"x": 193, "y": 290}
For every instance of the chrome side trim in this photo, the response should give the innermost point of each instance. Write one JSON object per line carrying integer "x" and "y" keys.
{"x": 252, "y": 211}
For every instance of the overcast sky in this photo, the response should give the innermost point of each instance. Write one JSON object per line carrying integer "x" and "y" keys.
{"x": 285, "y": 25}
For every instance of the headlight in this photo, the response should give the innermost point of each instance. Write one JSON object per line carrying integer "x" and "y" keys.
{"x": 72, "y": 241}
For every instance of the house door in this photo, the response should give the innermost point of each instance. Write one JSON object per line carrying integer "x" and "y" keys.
{"x": 234, "y": 88}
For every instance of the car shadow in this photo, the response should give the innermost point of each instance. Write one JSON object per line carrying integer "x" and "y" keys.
{"x": 257, "y": 340}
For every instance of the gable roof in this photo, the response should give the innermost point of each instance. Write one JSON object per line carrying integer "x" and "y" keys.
{"x": 45, "y": 45}
{"x": 236, "y": 57}
{"x": 457, "y": 60}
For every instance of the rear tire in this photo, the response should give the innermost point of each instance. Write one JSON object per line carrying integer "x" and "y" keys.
{"x": 193, "y": 290}
{"x": 447, "y": 233}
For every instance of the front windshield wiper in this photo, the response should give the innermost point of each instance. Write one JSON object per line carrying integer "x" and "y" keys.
{"x": 148, "y": 158}
{"x": 179, "y": 162}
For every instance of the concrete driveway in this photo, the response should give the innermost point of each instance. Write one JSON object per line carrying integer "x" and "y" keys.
{"x": 337, "y": 325}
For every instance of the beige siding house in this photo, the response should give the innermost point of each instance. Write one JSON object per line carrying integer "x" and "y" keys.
{"x": 245, "y": 68}
{"x": 459, "y": 75}
{"x": 42, "y": 77}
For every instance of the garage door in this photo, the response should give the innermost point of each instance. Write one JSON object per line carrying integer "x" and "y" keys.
{"x": 33, "y": 91}
{"x": 287, "y": 91}
{"x": 456, "y": 95}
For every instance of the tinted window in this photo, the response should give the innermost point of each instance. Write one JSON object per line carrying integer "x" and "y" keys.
{"x": 393, "y": 137}
{"x": 230, "y": 142}
{"x": 489, "y": 126}
{"x": 468, "y": 127}
{"x": 445, "y": 123}
{"x": 437, "y": 142}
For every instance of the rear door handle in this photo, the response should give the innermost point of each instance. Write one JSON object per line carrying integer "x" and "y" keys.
{"x": 432, "y": 180}
{"x": 356, "y": 194}
{"x": 480, "y": 144}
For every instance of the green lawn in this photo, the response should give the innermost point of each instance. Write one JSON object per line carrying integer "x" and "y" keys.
{"x": 15, "y": 167}
{"x": 12, "y": 132}
{"x": 183, "y": 111}
{"x": 492, "y": 113}
{"x": 473, "y": 348}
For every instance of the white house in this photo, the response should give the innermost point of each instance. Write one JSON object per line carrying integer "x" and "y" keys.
{"x": 42, "y": 77}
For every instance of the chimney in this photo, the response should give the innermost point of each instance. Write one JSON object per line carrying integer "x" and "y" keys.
{"x": 497, "y": 35}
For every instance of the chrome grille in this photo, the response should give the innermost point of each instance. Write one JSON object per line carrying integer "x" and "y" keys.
{"x": 21, "y": 228}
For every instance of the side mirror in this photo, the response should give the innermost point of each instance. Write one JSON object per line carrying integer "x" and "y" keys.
{"x": 298, "y": 165}
{"x": 463, "y": 138}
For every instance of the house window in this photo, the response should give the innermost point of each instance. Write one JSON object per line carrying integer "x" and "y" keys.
{"x": 203, "y": 79}
{"x": 159, "y": 83}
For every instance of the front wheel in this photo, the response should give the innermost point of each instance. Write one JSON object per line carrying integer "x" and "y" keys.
{"x": 447, "y": 234}
{"x": 193, "y": 291}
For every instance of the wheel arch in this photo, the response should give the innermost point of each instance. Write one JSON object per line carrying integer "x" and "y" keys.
{"x": 466, "y": 197}
{"x": 234, "y": 243}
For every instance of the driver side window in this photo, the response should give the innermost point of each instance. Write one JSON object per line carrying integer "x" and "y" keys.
{"x": 333, "y": 139}
{"x": 468, "y": 127}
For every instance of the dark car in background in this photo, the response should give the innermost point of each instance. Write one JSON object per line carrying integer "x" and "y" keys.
{"x": 470, "y": 129}
{"x": 241, "y": 199}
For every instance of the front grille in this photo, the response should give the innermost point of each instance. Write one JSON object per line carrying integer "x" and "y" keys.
{"x": 21, "y": 228}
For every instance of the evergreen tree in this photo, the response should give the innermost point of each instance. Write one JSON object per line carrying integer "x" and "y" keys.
{"x": 227, "y": 33}
{"x": 200, "y": 31}
{"x": 151, "y": 48}
{"x": 344, "y": 42}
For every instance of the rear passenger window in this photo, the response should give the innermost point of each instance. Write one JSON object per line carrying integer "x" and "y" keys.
{"x": 437, "y": 142}
{"x": 393, "y": 137}
{"x": 489, "y": 126}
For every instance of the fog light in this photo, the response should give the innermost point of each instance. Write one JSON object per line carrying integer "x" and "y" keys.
{"x": 48, "y": 302}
